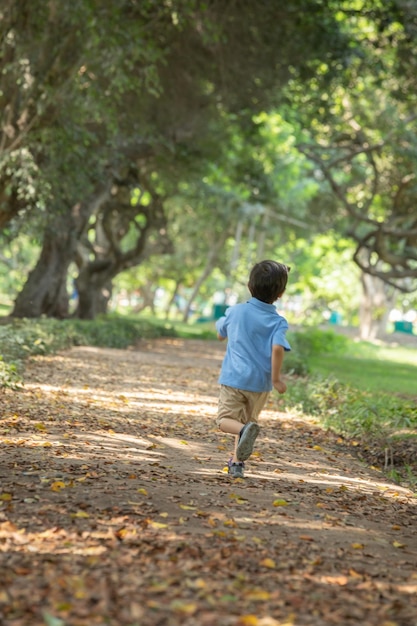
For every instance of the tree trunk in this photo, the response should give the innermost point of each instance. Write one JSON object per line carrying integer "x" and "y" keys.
{"x": 45, "y": 291}
{"x": 102, "y": 257}
{"x": 148, "y": 292}
{"x": 94, "y": 290}
{"x": 210, "y": 265}
{"x": 374, "y": 307}
{"x": 173, "y": 298}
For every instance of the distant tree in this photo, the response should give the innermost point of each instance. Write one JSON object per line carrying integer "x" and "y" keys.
{"x": 362, "y": 139}
{"x": 127, "y": 75}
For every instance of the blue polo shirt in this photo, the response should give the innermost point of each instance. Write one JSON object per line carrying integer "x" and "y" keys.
{"x": 251, "y": 328}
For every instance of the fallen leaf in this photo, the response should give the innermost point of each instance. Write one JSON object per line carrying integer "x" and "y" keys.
{"x": 248, "y": 620}
{"x": 58, "y": 485}
{"x": 158, "y": 525}
{"x": 187, "y": 608}
{"x": 230, "y": 523}
{"x": 258, "y": 594}
{"x": 50, "y": 620}
{"x": 80, "y": 515}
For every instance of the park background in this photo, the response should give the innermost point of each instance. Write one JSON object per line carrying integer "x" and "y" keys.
{"x": 150, "y": 153}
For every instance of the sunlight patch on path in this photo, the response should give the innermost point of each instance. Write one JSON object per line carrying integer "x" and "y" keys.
{"x": 176, "y": 401}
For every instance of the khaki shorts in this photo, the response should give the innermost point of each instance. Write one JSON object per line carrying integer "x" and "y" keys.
{"x": 238, "y": 404}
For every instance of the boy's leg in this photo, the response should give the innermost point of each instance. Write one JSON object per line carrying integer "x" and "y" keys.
{"x": 246, "y": 441}
{"x": 254, "y": 403}
{"x": 237, "y": 415}
{"x": 231, "y": 427}
{"x": 231, "y": 414}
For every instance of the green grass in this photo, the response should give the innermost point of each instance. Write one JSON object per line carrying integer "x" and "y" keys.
{"x": 389, "y": 372}
{"x": 204, "y": 330}
{"x": 364, "y": 392}
{"x": 380, "y": 368}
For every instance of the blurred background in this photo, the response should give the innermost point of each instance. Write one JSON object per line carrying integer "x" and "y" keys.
{"x": 151, "y": 153}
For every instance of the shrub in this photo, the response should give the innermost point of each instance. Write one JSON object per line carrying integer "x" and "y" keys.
{"x": 315, "y": 341}
{"x": 381, "y": 421}
{"x": 306, "y": 343}
{"x": 115, "y": 332}
{"x": 26, "y": 337}
{"x": 295, "y": 364}
{"x": 9, "y": 376}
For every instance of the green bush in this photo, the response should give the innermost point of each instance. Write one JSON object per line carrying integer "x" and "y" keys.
{"x": 26, "y": 337}
{"x": 9, "y": 376}
{"x": 356, "y": 414}
{"x": 295, "y": 364}
{"x": 307, "y": 343}
{"x": 115, "y": 332}
{"x": 315, "y": 341}
{"x": 22, "y": 338}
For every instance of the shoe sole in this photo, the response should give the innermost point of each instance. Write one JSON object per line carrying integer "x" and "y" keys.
{"x": 245, "y": 445}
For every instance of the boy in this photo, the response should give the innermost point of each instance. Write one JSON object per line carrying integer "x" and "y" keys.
{"x": 253, "y": 359}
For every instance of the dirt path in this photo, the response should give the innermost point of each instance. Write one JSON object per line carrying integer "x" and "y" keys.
{"x": 115, "y": 510}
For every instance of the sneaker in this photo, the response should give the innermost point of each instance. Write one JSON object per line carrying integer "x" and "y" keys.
{"x": 247, "y": 439}
{"x": 235, "y": 469}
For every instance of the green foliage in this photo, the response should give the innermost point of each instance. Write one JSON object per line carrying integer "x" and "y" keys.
{"x": 350, "y": 412}
{"x": 23, "y": 338}
{"x": 9, "y": 376}
{"x": 323, "y": 274}
{"x": 314, "y": 341}
{"x": 365, "y": 366}
{"x": 295, "y": 362}
{"x": 365, "y": 411}
{"x": 115, "y": 332}
{"x": 16, "y": 259}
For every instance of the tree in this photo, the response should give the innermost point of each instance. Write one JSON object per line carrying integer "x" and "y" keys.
{"x": 375, "y": 184}
{"x": 189, "y": 63}
{"x": 125, "y": 234}
{"x": 362, "y": 139}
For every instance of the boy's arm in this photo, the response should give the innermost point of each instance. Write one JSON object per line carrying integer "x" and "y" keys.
{"x": 219, "y": 329}
{"x": 277, "y": 360}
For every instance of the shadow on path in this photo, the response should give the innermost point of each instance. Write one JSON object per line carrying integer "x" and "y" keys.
{"x": 115, "y": 507}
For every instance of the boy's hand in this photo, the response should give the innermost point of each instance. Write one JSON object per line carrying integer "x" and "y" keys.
{"x": 280, "y": 386}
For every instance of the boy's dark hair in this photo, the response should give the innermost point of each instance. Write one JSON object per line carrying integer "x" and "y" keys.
{"x": 267, "y": 280}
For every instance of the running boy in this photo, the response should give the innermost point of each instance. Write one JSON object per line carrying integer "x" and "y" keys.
{"x": 254, "y": 355}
